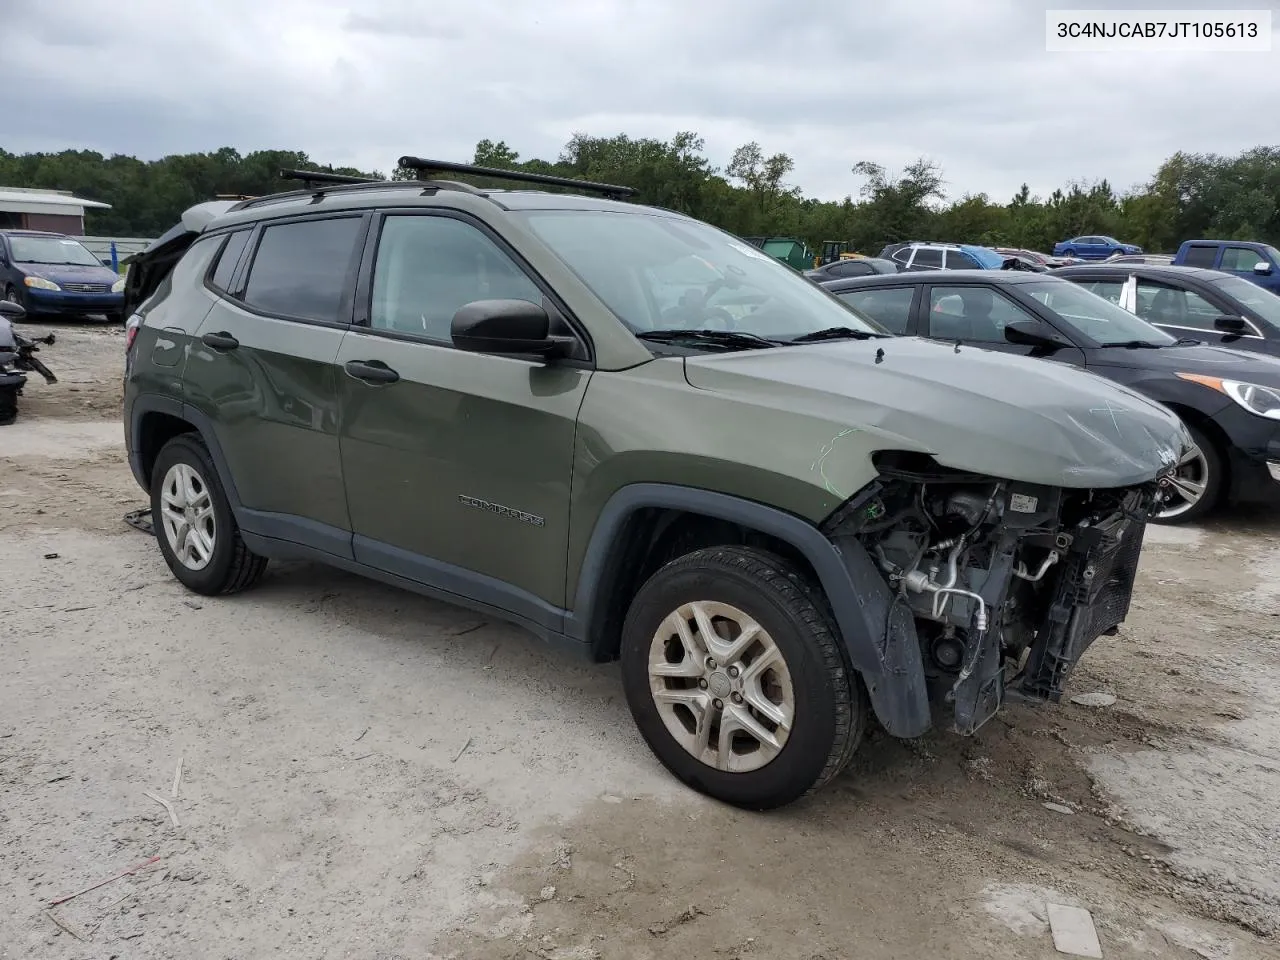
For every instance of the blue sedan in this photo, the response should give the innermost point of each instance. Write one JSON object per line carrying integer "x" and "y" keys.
{"x": 1093, "y": 247}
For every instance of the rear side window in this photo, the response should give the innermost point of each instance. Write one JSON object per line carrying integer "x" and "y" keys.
{"x": 889, "y": 307}
{"x": 927, "y": 257}
{"x": 1200, "y": 256}
{"x": 228, "y": 259}
{"x": 300, "y": 269}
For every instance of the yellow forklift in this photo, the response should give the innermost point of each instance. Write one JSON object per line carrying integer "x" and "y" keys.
{"x": 833, "y": 250}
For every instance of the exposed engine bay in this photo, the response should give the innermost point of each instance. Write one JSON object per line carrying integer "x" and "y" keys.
{"x": 1003, "y": 584}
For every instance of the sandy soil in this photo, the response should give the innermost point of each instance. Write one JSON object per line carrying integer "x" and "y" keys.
{"x": 373, "y": 775}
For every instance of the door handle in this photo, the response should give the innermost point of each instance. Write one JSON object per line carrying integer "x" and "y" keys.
{"x": 220, "y": 341}
{"x": 370, "y": 371}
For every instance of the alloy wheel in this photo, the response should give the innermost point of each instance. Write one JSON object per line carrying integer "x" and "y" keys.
{"x": 186, "y": 513}
{"x": 721, "y": 686}
{"x": 1185, "y": 486}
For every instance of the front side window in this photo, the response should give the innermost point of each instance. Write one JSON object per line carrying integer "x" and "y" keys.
{"x": 300, "y": 269}
{"x": 959, "y": 260}
{"x": 851, "y": 268}
{"x": 55, "y": 251}
{"x": 657, "y": 272}
{"x": 1092, "y": 315}
{"x": 1175, "y": 307}
{"x": 972, "y": 313}
{"x": 429, "y": 267}
{"x": 1262, "y": 302}
{"x": 927, "y": 257}
{"x": 1241, "y": 259}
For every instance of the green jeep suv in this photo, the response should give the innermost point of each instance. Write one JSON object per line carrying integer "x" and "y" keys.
{"x": 644, "y": 439}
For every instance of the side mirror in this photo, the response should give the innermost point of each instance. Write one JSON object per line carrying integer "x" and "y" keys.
{"x": 12, "y": 311}
{"x": 506, "y": 326}
{"x": 1262, "y": 267}
{"x": 1229, "y": 324}
{"x": 1030, "y": 334}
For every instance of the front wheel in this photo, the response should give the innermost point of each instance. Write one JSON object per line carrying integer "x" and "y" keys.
{"x": 735, "y": 678}
{"x": 1195, "y": 486}
{"x": 194, "y": 526}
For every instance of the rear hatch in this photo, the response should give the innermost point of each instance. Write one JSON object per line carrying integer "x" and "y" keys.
{"x": 147, "y": 269}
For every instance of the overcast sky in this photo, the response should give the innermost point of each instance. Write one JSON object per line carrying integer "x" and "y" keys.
{"x": 968, "y": 84}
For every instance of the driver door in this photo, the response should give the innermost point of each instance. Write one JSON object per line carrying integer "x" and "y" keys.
{"x": 457, "y": 464}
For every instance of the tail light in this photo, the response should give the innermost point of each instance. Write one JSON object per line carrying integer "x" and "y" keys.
{"x": 131, "y": 331}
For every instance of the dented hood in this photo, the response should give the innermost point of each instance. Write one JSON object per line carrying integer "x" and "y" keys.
{"x": 977, "y": 410}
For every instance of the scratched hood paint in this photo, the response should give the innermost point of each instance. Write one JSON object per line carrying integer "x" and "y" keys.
{"x": 984, "y": 411}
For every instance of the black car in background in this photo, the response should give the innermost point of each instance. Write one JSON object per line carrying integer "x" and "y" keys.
{"x": 851, "y": 267}
{"x": 1229, "y": 399}
{"x": 1210, "y": 305}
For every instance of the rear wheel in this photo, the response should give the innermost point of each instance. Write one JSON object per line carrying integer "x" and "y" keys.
{"x": 194, "y": 526}
{"x": 1195, "y": 487}
{"x": 735, "y": 678}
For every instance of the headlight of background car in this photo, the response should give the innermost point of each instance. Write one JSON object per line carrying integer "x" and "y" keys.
{"x": 118, "y": 286}
{"x": 1257, "y": 399}
{"x": 40, "y": 283}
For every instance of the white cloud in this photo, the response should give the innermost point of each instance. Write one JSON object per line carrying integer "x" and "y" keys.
{"x": 968, "y": 85}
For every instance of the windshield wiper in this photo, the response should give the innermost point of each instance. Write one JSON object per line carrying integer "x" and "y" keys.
{"x": 1186, "y": 342}
{"x": 723, "y": 338}
{"x": 837, "y": 333}
{"x": 1135, "y": 345}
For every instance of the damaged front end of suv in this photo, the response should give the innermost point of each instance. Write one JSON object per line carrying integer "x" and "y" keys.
{"x": 997, "y": 587}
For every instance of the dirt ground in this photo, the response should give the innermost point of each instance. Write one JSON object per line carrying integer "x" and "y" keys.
{"x": 368, "y": 774}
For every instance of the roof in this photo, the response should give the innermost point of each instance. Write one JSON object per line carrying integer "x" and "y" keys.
{"x": 27, "y": 200}
{"x": 948, "y": 277}
{"x": 1144, "y": 269}
{"x": 212, "y": 215}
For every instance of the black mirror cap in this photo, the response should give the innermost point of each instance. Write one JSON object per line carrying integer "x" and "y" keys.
{"x": 505, "y": 326}
{"x": 12, "y": 311}
{"x": 1229, "y": 324}
{"x": 1029, "y": 334}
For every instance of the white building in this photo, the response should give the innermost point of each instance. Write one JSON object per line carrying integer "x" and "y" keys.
{"x": 58, "y": 211}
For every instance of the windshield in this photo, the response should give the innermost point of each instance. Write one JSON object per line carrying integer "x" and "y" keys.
{"x": 659, "y": 273}
{"x": 60, "y": 250}
{"x": 1262, "y": 302}
{"x": 1096, "y": 317}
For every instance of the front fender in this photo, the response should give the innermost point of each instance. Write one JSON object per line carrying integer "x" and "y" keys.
{"x": 879, "y": 639}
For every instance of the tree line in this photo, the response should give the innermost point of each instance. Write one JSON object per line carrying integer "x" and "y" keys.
{"x": 1190, "y": 195}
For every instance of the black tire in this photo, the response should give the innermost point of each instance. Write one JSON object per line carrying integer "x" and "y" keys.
{"x": 829, "y": 702}
{"x": 232, "y": 566}
{"x": 13, "y": 295}
{"x": 8, "y": 404}
{"x": 1216, "y": 475}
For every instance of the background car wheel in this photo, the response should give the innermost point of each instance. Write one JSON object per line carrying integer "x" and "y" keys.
{"x": 735, "y": 678}
{"x": 1196, "y": 485}
{"x": 11, "y": 294}
{"x": 197, "y": 533}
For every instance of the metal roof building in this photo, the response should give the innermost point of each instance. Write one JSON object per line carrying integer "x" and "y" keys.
{"x": 58, "y": 211}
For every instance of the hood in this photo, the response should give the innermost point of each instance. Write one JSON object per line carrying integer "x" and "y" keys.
{"x": 70, "y": 272}
{"x": 1211, "y": 361}
{"x": 996, "y": 414}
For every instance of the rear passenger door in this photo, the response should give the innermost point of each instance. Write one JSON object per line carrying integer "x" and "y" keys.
{"x": 457, "y": 467}
{"x": 263, "y": 373}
